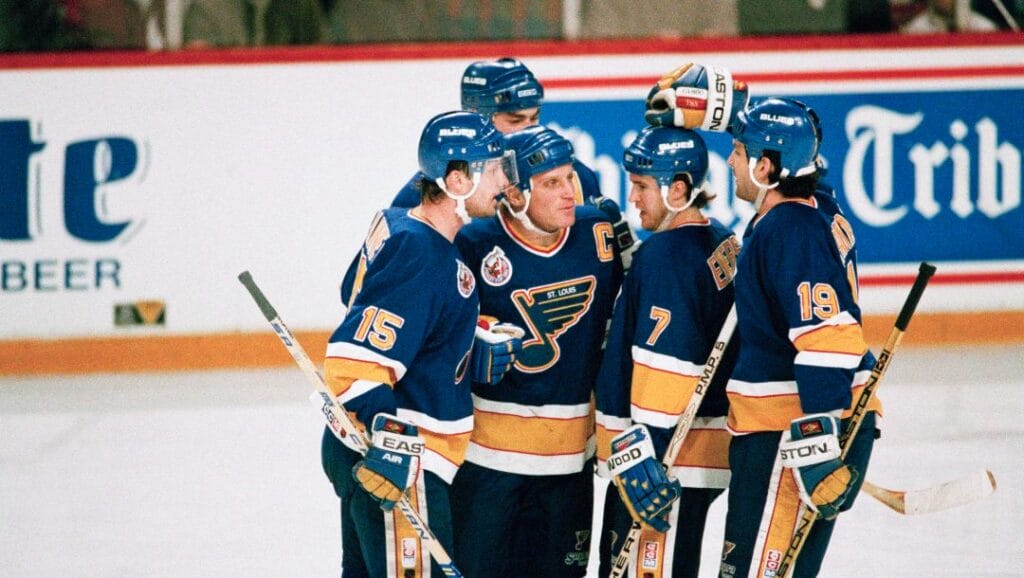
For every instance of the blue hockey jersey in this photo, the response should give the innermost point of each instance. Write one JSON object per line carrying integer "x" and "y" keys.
{"x": 404, "y": 344}
{"x": 802, "y": 347}
{"x": 539, "y": 419}
{"x": 667, "y": 317}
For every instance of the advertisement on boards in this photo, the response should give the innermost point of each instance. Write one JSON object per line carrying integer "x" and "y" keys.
{"x": 922, "y": 176}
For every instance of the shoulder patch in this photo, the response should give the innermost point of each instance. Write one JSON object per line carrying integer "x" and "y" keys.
{"x": 496, "y": 269}
{"x": 379, "y": 232}
{"x": 465, "y": 280}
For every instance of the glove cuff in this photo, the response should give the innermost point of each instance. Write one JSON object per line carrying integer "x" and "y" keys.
{"x": 629, "y": 449}
{"x": 397, "y": 436}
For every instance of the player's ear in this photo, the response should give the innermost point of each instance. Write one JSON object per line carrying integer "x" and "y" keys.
{"x": 516, "y": 198}
{"x": 679, "y": 192}
{"x": 764, "y": 169}
{"x": 457, "y": 182}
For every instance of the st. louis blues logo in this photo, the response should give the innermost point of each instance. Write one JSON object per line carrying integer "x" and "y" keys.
{"x": 549, "y": 311}
{"x": 465, "y": 280}
{"x": 496, "y": 269}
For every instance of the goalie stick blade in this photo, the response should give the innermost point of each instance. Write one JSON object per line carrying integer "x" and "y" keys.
{"x": 937, "y": 498}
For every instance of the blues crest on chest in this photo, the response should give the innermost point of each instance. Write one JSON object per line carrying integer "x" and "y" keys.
{"x": 551, "y": 292}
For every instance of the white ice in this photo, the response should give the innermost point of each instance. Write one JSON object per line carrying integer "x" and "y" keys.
{"x": 218, "y": 474}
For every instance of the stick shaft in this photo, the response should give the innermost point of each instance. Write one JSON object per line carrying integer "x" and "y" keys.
{"x": 339, "y": 421}
{"x": 621, "y": 562}
{"x": 806, "y": 522}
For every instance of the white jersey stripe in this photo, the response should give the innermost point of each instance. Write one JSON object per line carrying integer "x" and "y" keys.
{"x": 347, "y": 350}
{"x": 543, "y": 411}
{"x": 844, "y": 318}
{"x": 663, "y": 362}
{"x": 833, "y": 360}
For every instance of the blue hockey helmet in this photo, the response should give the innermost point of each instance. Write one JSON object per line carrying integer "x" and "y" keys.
{"x": 664, "y": 152}
{"x": 537, "y": 149}
{"x": 458, "y": 136}
{"x": 784, "y": 125}
{"x": 503, "y": 85}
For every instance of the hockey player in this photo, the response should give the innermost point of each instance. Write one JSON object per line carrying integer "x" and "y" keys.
{"x": 507, "y": 91}
{"x": 802, "y": 357}
{"x": 667, "y": 317}
{"x": 399, "y": 359}
{"x": 522, "y": 502}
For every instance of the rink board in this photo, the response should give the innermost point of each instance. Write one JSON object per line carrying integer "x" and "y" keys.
{"x": 136, "y": 186}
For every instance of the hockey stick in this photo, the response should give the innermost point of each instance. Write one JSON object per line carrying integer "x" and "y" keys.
{"x": 936, "y": 498}
{"x": 683, "y": 426}
{"x": 806, "y": 522}
{"x": 339, "y": 421}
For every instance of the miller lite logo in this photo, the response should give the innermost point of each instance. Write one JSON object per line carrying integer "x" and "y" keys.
{"x": 465, "y": 281}
{"x": 496, "y": 269}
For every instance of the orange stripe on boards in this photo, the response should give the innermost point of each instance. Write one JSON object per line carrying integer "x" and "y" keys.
{"x": 949, "y": 328}
{"x": 263, "y": 349}
{"x": 154, "y": 353}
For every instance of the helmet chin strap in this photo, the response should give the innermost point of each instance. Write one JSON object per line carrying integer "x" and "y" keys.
{"x": 460, "y": 200}
{"x": 673, "y": 211}
{"x": 762, "y": 189}
{"x": 522, "y": 217}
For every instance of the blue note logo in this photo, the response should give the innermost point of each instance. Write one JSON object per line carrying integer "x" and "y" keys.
{"x": 549, "y": 311}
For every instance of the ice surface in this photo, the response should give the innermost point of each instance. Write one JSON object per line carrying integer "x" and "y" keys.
{"x": 218, "y": 474}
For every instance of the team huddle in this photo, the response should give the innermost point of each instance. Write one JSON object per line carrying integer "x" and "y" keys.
{"x": 506, "y": 336}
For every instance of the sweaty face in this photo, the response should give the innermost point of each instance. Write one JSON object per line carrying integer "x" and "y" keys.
{"x": 746, "y": 189}
{"x": 515, "y": 121}
{"x": 484, "y": 201}
{"x": 553, "y": 199}
{"x": 645, "y": 194}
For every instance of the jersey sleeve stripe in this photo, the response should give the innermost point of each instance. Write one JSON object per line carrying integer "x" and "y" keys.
{"x": 345, "y": 350}
{"x": 355, "y": 389}
{"x": 342, "y": 375}
{"x": 761, "y": 388}
{"x": 663, "y": 362}
{"x": 847, "y": 339}
{"x": 656, "y": 390}
{"x": 824, "y": 359}
{"x": 773, "y": 412}
{"x": 654, "y": 418}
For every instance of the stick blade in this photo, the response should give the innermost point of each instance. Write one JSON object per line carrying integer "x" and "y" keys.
{"x": 937, "y": 498}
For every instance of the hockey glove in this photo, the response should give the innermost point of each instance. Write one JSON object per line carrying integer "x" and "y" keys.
{"x": 494, "y": 349}
{"x": 696, "y": 97}
{"x": 644, "y": 487}
{"x": 392, "y": 463}
{"x": 811, "y": 449}
{"x": 624, "y": 237}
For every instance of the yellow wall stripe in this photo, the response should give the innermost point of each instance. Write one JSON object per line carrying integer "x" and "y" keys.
{"x": 262, "y": 349}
